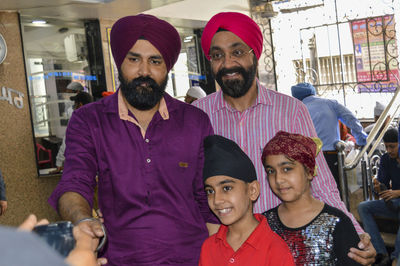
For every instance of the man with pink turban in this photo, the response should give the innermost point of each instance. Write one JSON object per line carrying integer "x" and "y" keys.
{"x": 250, "y": 114}
{"x": 145, "y": 149}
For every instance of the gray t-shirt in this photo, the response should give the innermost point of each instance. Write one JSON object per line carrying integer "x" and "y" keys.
{"x": 24, "y": 248}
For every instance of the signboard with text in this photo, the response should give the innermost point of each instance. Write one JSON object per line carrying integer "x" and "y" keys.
{"x": 375, "y": 53}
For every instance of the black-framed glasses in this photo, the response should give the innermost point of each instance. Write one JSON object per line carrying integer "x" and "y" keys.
{"x": 236, "y": 54}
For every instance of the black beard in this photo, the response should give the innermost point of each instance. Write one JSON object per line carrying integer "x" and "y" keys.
{"x": 237, "y": 88}
{"x": 139, "y": 97}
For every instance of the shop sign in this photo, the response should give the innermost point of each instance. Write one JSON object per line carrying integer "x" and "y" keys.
{"x": 13, "y": 97}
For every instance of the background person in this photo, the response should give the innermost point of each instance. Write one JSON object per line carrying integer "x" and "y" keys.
{"x": 194, "y": 93}
{"x": 325, "y": 114}
{"x": 146, "y": 149}
{"x": 73, "y": 87}
{"x": 250, "y": 114}
{"x": 389, "y": 204}
{"x": 316, "y": 233}
{"x": 21, "y": 247}
{"x": 79, "y": 100}
{"x": 378, "y": 110}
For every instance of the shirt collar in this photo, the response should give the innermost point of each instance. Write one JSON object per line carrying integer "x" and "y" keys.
{"x": 123, "y": 108}
{"x": 263, "y": 97}
{"x": 256, "y": 237}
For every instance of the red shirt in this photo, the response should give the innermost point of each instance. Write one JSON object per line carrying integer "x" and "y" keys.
{"x": 263, "y": 247}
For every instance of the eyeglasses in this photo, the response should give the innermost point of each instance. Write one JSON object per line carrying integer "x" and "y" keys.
{"x": 237, "y": 54}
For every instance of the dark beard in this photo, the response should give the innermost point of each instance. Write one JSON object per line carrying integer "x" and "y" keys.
{"x": 139, "y": 97}
{"x": 237, "y": 88}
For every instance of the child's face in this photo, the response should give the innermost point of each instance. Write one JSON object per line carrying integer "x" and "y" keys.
{"x": 231, "y": 199}
{"x": 287, "y": 178}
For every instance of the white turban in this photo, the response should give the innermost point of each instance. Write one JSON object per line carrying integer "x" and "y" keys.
{"x": 196, "y": 92}
{"x": 378, "y": 109}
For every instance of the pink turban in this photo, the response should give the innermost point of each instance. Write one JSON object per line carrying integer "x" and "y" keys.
{"x": 127, "y": 30}
{"x": 241, "y": 25}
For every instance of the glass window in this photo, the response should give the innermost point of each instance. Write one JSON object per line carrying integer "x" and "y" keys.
{"x": 57, "y": 69}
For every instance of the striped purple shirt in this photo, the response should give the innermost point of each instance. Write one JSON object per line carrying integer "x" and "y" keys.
{"x": 253, "y": 128}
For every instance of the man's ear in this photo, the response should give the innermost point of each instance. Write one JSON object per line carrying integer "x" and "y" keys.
{"x": 254, "y": 190}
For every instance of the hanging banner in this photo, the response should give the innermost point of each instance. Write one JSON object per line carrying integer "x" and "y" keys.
{"x": 375, "y": 53}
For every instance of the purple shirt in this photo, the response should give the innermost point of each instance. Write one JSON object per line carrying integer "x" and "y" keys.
{"x": 150, "y": 189}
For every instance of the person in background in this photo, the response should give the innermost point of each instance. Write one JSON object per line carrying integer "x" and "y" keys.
{"x": 316, "y": 233}
{"x": 194, "y": 93}
{"x": 3, "y": 198}
{"x": 350, "y": 141}
{"x": 325, "y": 114}
{"x": 378, "y": 110}
{"x": 146, "y": 149}
{"x": 244, "y": 238}
{"x": 73, "y": 87}
{"x": 387, "y": 185}
{"x": 250, "y": 114}
{"x": 79, "y": 100}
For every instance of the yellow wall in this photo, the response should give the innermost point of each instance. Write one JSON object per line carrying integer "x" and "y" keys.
{"x": 26, "y": 193}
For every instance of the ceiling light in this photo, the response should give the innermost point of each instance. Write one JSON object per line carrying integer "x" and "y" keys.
{"x": 39, "y": 22}
{"x": 94, "y": 1}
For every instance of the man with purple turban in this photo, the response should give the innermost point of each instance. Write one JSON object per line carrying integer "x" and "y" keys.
{"x": 146, "y": 150}
{"x": 250, "y": 114}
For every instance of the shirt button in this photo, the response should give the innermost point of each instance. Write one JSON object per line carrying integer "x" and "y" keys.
{"x": 147, "y": 140}
{"x": 148, "y": 160}
{"x": 231, "y": 260}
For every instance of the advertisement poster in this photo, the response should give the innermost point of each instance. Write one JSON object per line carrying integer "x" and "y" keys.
{"x": 374, "y": 48}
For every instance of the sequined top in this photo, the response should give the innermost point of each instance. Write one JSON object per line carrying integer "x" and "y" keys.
{"x": 326, "y": 240}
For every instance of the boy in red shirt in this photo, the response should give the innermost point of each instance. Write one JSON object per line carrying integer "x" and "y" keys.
{"x": 231, "y": 185}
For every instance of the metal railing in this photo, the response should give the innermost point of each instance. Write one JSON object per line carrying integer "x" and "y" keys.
{"x": 373, "y": 141}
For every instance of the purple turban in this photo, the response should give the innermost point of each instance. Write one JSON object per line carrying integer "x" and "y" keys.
{"x": 239, "y": 24}
{"x": 127, "y": 30}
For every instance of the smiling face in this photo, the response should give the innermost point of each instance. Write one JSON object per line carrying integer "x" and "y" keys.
{"x": 233, "y": 64}
{"x": 288, "y": 179}
{"x": 231, "y": 199}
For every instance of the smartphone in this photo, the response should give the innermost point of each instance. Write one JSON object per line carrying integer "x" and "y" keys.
{"x": 58, "y": 236}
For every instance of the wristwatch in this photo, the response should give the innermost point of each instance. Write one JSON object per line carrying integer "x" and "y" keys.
{"x": 3, "y": 49}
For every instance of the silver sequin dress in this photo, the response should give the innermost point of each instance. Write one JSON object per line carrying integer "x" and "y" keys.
{"x": 326, "y": 240}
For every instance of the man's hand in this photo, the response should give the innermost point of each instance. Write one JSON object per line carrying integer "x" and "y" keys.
{"x": 366, "y": 253}
{"x": 389, "y": 194}
{"x": 3, "y": 207}
{"x": 93, "y": 229}
{"x": 83, "y": 253}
